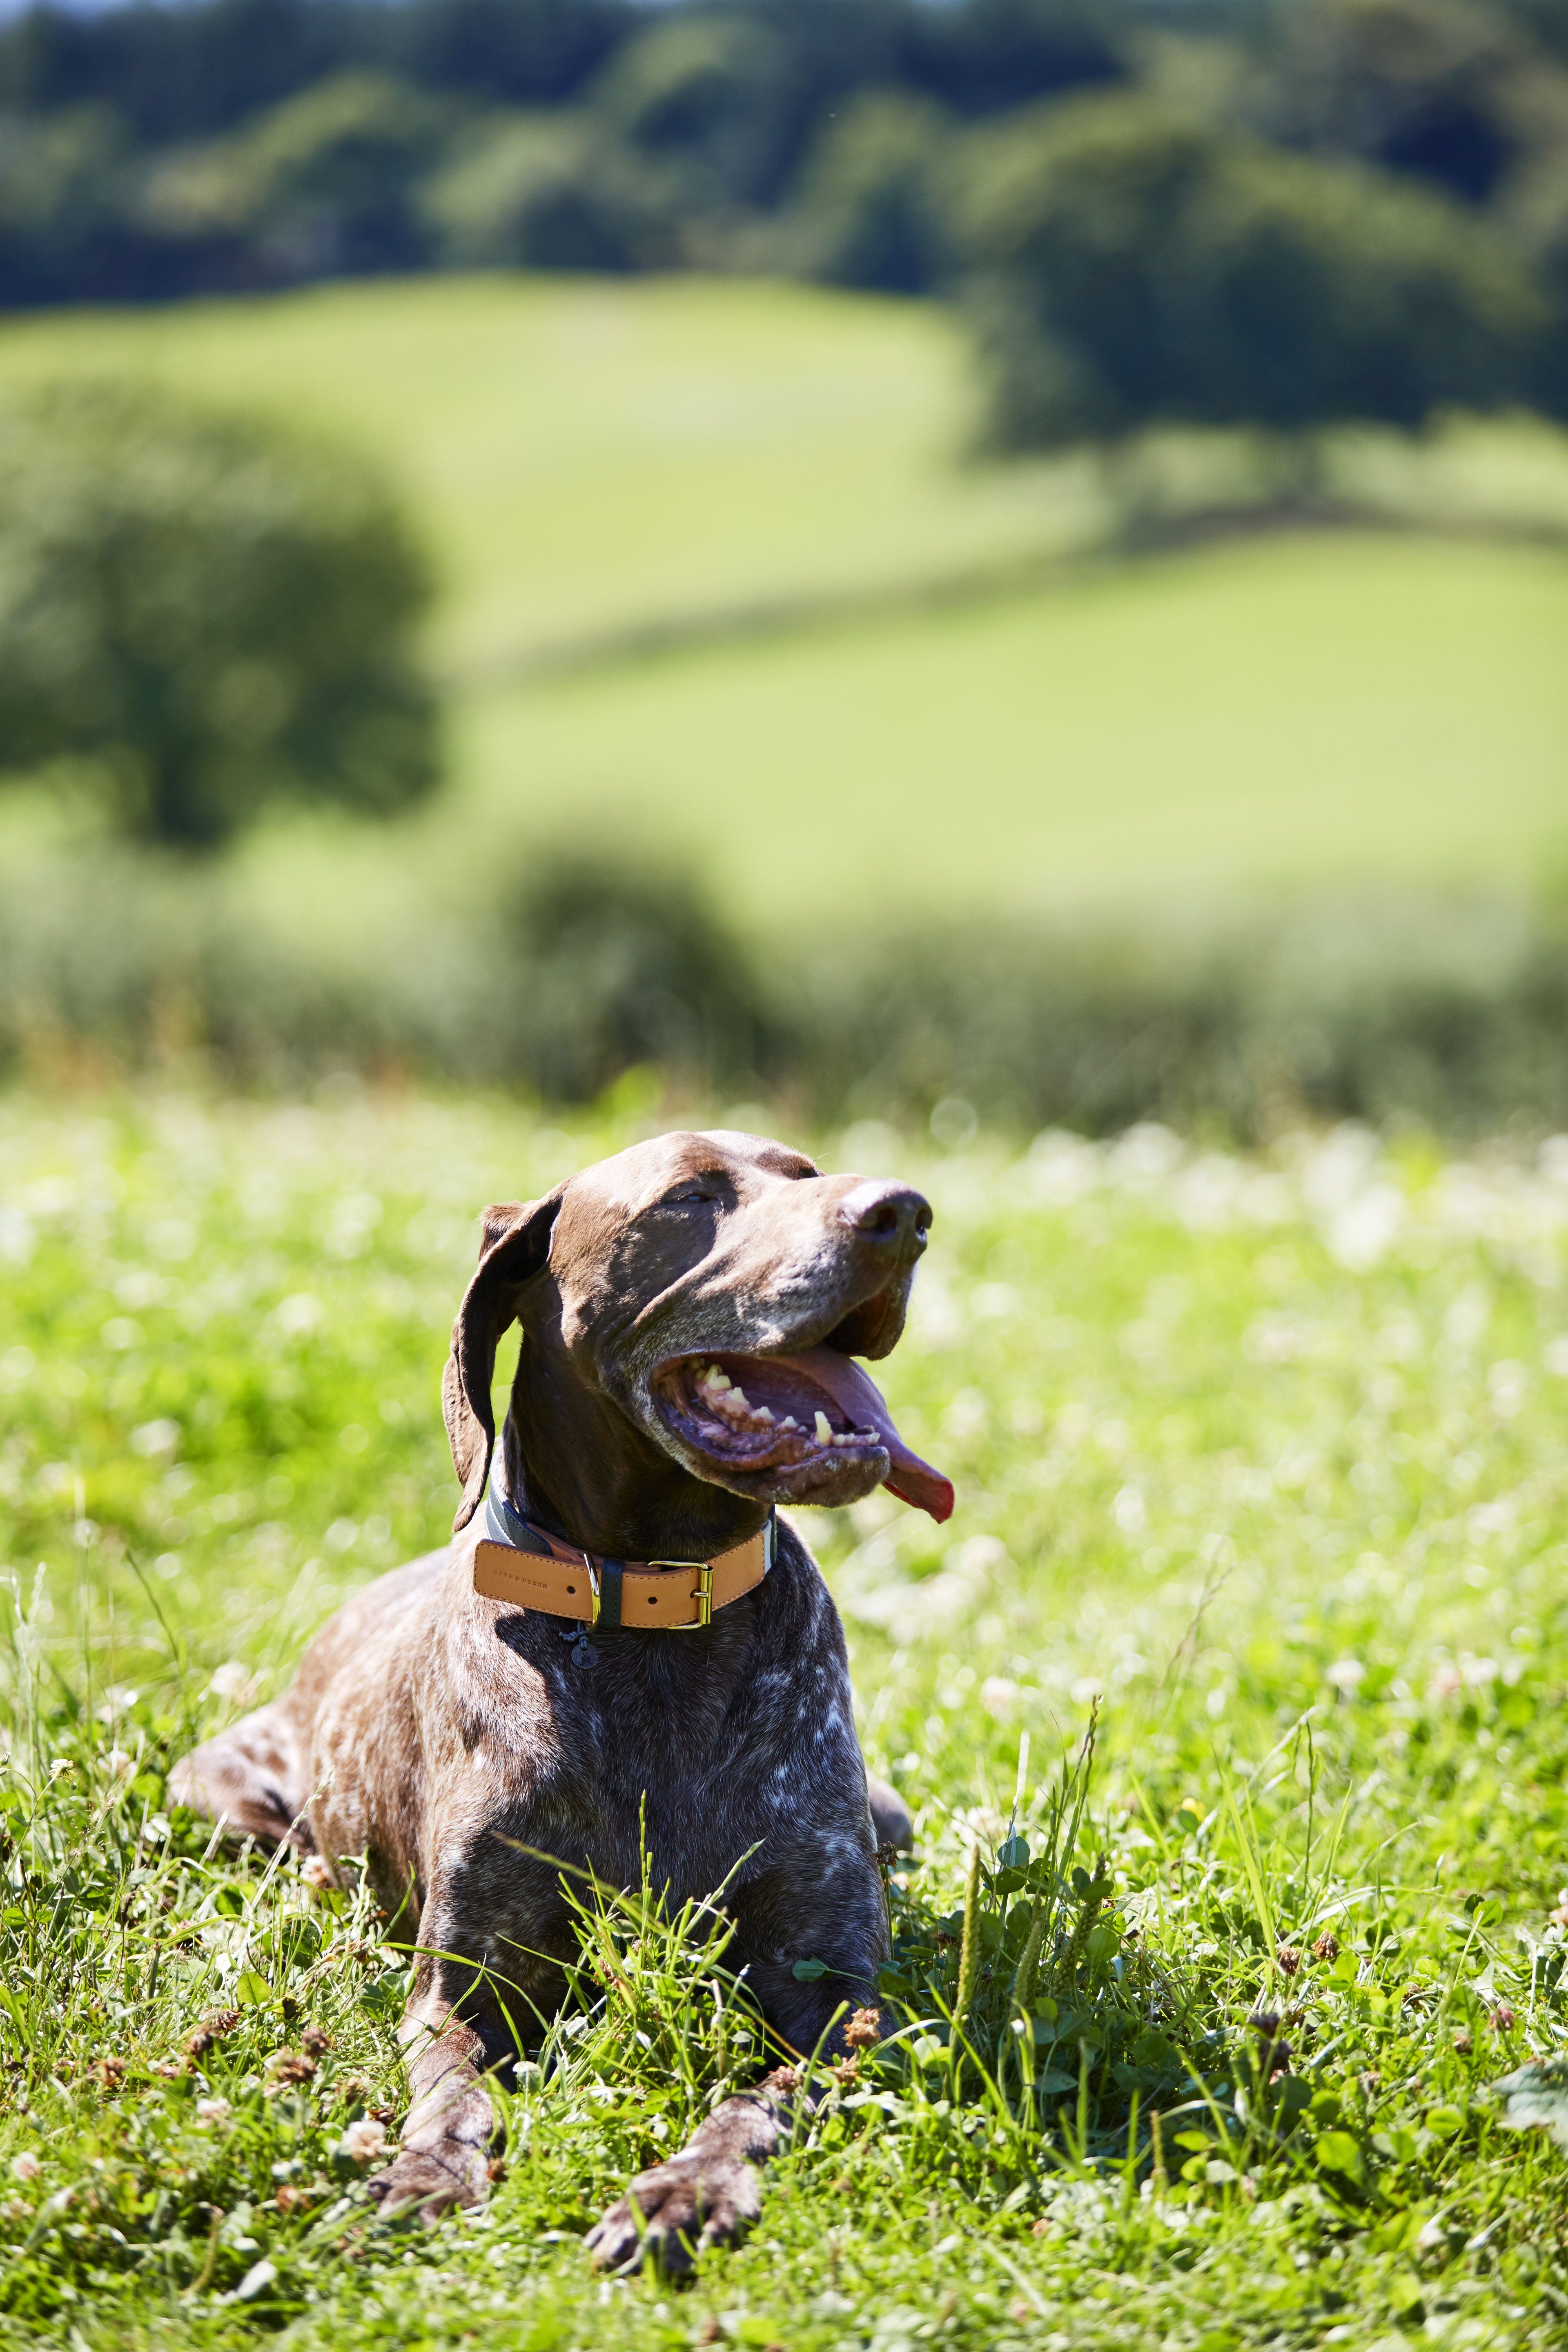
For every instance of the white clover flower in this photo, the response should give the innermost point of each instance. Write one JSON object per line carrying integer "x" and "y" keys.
{"x": 25, "y": 2167}
{"x": 156, "y": 1440}
{"x": 234, "y": 1682}
{"x": 364, "y": 2142}
{"x": 212, "y": 2111}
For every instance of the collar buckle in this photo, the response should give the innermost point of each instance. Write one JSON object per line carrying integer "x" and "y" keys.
{"x": 703, "y": 1593}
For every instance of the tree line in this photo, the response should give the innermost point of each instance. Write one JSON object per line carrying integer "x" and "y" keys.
{"x": 1209, "y": 211}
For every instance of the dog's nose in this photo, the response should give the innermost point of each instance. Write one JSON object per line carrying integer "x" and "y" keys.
{"x": 893, "y": 1217}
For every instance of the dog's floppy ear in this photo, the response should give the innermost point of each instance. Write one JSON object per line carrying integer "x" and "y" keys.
{"x": 515, "y": 1249}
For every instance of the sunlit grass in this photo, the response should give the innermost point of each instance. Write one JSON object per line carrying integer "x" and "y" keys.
{"x": 1262, "y": 1456}
{"x": 586, "y": 455}
{"x": 1294, "y": 712}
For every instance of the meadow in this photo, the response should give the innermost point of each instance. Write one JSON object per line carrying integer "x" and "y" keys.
{"x": 721, "y": 568}
{"x": 1259, "y": 1546}
{"x": 1283, "y": 712}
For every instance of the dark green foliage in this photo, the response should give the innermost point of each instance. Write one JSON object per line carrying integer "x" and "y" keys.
{"x": 527, "y": 52}
{"x": 324, "y": 185}
{"x": 604, "y": 964}
{"x": 185, "y": 73}
{"x": 874, "y": 198}
{"x": 1136, "y": 267}
{"x": 712, "y": 98}
{"x": 206, "y": 613}
{"x": 1443, "y": 89}
{"x": 152, "y": 152}
{"x": 67, "y": 228}
{"x": 994, "y": 53}
{"x": 1539, "y": 211}
{"x": 188, "y": 73}
{"x": 551, "y": 192}
{"x": 1201, "y": 251}
{"x": 1374, "y": 1007}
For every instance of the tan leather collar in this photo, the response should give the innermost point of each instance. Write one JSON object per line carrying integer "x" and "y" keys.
{"x": 519, "y": 1561}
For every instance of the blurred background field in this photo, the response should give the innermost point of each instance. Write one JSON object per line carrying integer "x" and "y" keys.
{"x": 795, "y": 608}
{"x": 752, "y": 662}
{"x": 1029, "y": 540}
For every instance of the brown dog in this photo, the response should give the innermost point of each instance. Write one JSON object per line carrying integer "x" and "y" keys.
{"x": 690, "y": 1309}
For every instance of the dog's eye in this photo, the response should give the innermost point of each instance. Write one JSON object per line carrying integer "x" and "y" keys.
{"x": 686, "y": 1195}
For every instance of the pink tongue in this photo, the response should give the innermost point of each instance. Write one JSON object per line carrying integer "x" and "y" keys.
{"x": 855, "y": 1393}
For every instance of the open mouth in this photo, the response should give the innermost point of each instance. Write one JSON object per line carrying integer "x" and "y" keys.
{"x": 798, "y": 1424}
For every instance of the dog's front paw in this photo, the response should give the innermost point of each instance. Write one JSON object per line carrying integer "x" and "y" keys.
{"x": 676, "y": 2210}
{"x": 430, "y": 2181}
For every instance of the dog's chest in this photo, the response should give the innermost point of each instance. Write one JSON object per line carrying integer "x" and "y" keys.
{"x": 709, "y": 1753}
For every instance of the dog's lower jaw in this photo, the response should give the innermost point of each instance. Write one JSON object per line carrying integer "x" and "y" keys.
{"x": 826, "y": 1481}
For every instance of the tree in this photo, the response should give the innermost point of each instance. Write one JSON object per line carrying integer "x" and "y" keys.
{"x": 1133, "y": 266}
{"x": 208, "y": 612}
{"x": 715, "y": 99}
{"x": 872, "y": 209}
{"x": 986, "y": 56}
{"x": 1447, "y": 91}
{"x": 551, "y": 190}
{"x": 321, "y": 185}
{"x": 67, "y": 226}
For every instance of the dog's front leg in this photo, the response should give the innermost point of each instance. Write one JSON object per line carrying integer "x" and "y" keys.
{"x": 710, "y": 2192}
{"x": 443, "y": 2159}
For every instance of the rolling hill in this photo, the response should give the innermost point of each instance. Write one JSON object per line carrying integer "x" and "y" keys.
{"x": 719, "y": 567}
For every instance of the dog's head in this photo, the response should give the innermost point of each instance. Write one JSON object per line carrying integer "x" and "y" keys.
{"x": 690, "y": 1310}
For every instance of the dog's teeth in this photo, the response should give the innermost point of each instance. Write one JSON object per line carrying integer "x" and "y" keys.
{"x": 824, "y": 1430}
{"x": 738, "y": 1399}
{"x": 761, "y": 1412}
{"x": 789, "y": 1422}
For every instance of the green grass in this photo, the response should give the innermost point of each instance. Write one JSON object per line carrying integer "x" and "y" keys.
{"x": 1302, "y": 710}
{"x": 1266, "y": 1455}
{"x": 780, "y": 475}
{"x": 586, "y": 457}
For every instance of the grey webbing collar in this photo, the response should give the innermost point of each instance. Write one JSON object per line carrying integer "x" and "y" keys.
{"x": 503, "y": 1522}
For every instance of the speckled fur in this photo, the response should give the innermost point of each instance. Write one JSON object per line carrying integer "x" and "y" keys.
{"x": 427, "y": 1724}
